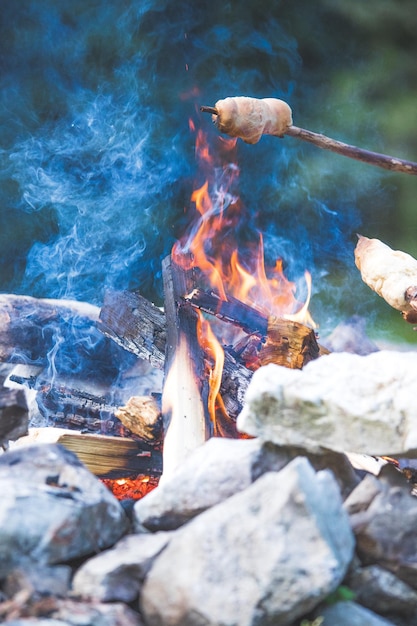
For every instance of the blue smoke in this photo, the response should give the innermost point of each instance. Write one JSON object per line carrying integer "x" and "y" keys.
{"x": 97, "y": 158}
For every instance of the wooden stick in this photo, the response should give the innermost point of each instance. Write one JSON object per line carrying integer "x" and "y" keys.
{"x": 372, "y": 158}
{"x": 327, "y": 143}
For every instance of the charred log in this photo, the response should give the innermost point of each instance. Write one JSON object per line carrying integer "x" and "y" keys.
{"x": 135, "y": 324}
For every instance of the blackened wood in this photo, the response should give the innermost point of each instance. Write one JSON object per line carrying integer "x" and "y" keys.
{"x": 59, "y": 334}
{"x": 235, "y": 381}
{"x": 135, "y": 324}
{"x": 234, "y": 311}
{"x": 29, "y": 325}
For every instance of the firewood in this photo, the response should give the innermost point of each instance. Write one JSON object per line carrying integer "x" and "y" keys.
{"x": 142, "y": 416}
{"x": 135, "y": 324}
{"x": 392, "y": 274}
{"x": 250, "y": 118}
{"x": 130, "y": 334}
{"x": 231, "y": 310}
{"x": 288, "y": 343}
{"x": 28, "y": 325}
{"x": 284, "y": 342}
{"x": 185, "y": 415}
{"x": 103, "y": 455}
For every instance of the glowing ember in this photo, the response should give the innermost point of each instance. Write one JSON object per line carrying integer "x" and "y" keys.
{"x": 133, "y": 488}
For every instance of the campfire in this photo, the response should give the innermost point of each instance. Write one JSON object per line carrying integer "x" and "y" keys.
{"x": 223, "y": 407}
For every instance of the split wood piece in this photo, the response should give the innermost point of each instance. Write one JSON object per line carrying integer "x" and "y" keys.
{"x": 284, "y": 342}
{"x": 135, "y": 324}
{"x": 250, "y": 118}
{"x": 184, "y": 399}
{"x": 288, "y": 343}
{"x": 113, "y": 456}
{"x": 104, "y": 456}
{"x": 142, "y": 416}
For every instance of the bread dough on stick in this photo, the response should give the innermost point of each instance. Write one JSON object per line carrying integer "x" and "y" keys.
{"x": 392, "y": 274}
{"x": 250, "y": 118}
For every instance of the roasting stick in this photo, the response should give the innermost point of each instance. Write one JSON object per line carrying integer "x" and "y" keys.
{"x": 250, "y": 118}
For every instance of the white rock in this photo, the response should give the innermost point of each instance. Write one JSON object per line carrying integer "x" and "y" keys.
{"x": 117, "y": 574}
{"x": 347, "y": 402}
{"x": 266, "y": 555}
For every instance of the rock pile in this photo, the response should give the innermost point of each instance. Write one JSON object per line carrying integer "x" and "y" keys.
{"x": 279, "y": 529}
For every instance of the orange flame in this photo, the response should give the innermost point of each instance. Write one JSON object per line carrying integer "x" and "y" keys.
{"x": 214, "y": 351}
{"x": 211, "y": 245}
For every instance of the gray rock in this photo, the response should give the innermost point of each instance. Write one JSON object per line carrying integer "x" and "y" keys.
{"x": 218, "y": 469}
{"x": 43, "y": 580}
{"x": 213, "y": 472}
{"x": 361, "y": 497}
{"x": 53, "y": 509}
{"x": 351, "y": 614}
{"x": 266, "y": 555}
{"x": 386, "y": 530}
{"x": 341, "y": 401}
{"x": 14, "y": 415}
{"x": 382, "y": 591}
{"x": 117, "y": 574}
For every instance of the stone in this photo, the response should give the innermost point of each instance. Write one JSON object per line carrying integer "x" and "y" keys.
{"x": 117, "y": 574}
{"x": 346, "y": 402}
{"x": 381, "y": 591}
{"x": 14, "y": 415}
{"x": 218, "y": 469}
{"x": 53, "y": 509}
{"x": 43, "y": 580}
{"x": 213, "y": 472}
{"x": 386, "y": 527}
{"x": 267, "y": 554}
{"x": 351, "y": 614}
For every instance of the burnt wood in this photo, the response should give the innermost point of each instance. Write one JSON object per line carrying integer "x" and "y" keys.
{"x": 135, "y": 324}
{"x": 231, "y": 310}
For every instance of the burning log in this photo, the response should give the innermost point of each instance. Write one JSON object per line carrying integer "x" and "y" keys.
{"x": 281, "y": 341}
{"x": 262, "y": 340}
{"x": 231, "y": 310}
{"x": 250, "y": 118}
{"x": 185, "y": 418}
{"x": 288, "y": 343}
{"x": 392, "y": 274}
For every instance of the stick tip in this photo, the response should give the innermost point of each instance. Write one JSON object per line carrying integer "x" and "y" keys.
{"x": 206, "y": 109}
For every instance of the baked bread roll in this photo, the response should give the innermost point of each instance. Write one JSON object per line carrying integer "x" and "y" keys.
{"x": 392, "y": 274}
{"x": 250, "y": 118}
